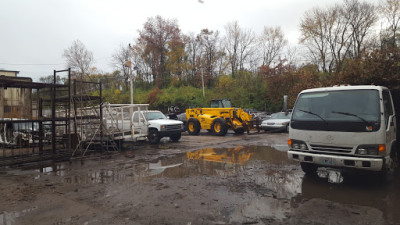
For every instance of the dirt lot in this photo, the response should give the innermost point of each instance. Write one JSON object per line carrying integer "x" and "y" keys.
{"x": 237, "y": 179}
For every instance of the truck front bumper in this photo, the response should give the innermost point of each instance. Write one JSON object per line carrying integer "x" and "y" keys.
{"x": 364, "y": 163}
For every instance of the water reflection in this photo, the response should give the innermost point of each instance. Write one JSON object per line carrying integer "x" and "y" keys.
{"x": 9, "y": 218}
{"x": 361, "y": 189}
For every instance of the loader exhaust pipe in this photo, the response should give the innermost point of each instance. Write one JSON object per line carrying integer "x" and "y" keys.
{"x": 285, "y": 103}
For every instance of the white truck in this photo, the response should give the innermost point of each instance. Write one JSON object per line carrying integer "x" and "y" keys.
{"x": 351, "y": 127}
{"x": 136, "y": 122}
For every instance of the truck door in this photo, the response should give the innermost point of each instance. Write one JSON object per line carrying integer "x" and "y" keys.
{"x": 139, "y": 124}
{"x": 390, "y": 119}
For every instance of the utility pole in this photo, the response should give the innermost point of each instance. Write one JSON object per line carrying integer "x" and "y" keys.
{"x": 129, "y": 65}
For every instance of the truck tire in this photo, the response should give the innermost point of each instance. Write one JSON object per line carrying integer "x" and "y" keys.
{"x": 175, "y": 137}
{"x": 309, "y": 168}
{"x": 193, "y": 126}
{"x": 239, "y": 130}
{"x": 394, "y": 160}
{"x": 219, "y": 127}
{"x": 154, "y": 137}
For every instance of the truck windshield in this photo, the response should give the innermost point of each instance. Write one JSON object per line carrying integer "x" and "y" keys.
{"x": 349, "y": 110}
{"x": 156, "y": 116}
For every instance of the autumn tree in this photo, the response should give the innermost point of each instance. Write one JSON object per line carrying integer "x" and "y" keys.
{"x": 78, "y": 58}
{"x": 155, "y": 38}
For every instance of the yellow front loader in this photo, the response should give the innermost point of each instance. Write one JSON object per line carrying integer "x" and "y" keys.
{"x": 219, "y": 120}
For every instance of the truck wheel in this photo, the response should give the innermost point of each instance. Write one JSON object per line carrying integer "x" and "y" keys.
{"x": 309, "y": 168}
{"x": 394, "y": 160}
{"x": 176, "y": 137}
{"x": 239, "y": 130}
{"x": 154, "y": 137}
{"x": 193, "y": 126}
{"x": 219, "y": 127}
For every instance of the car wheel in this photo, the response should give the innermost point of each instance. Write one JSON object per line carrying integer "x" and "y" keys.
{"x": 154, "y": 137}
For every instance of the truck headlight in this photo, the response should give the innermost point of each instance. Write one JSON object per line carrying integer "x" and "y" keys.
{"x": 371, "y": 150}
{"x": 297, "y": 145}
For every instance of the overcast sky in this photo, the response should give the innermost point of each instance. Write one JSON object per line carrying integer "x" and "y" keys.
{"x": 34, "y": 33}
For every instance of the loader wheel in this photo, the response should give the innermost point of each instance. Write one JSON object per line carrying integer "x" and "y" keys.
{"x": 239, "y": 130}
{"x": 193, "y": 126}
{"x": 219, "y": 127}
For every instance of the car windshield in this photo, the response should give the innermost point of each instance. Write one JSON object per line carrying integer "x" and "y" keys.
{"x": 350, "y": 110}
{"x": 280, "y": 116}
{"x": 155, "y": 116}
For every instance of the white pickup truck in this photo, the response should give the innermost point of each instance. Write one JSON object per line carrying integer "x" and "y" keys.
{"x": 158, "y": 125}
{"x": 351, "y": 127}
{"x": 133, "y": 122}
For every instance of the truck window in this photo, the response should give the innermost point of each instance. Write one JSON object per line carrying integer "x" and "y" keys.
{"x": 387, "y": 103}
{"x": 350, "y": 110}
{"x": 135, "y": 117}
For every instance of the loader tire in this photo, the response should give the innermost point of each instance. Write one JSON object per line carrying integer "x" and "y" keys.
{"x": 219, "y": 127}
{"x": 193, "y": 126}
{"x": 239, "y": 130}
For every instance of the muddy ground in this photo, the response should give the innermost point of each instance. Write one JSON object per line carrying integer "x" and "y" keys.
{"x": 237, "y": 179}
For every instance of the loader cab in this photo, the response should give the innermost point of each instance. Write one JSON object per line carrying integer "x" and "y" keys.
{"x": 220, "y": 103}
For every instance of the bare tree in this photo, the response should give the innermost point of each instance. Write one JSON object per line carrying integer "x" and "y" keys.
{"x": 78, "y": 58}
{"x": 239, "y": 45}
{"x": 120, "y": 58}
{"x": 209, "y": 45}
{"x": 271, "y": 41}
{"x": 390, "y": 10}
{"x": 336, "y": 33}
{"x": 313, "y": 32}
{"x": 232, "y": 41}
{"x": 361, "y": 17}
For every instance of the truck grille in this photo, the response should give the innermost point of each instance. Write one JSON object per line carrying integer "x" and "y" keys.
{"x": 336, "y": 149}
{"x": 173, "y": 127}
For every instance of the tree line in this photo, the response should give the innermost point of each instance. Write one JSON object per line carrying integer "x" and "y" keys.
{"x": 352, "y": 42}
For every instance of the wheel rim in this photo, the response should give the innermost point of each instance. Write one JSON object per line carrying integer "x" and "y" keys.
{"x": 191, "y": 127}
{"x": 217, "y": 127}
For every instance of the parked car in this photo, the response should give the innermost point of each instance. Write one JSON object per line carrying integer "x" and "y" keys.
{"x": 278, "y": 122}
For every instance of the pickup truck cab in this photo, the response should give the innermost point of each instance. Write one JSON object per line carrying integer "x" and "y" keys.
{"x": 158, "y": 125}
{"x": 351, "y": 127}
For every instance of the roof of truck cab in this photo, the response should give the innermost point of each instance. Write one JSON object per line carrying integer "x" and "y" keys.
{"x": 344, "y": 87}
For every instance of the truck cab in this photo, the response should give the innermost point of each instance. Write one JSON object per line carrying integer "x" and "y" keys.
{"x": 158, "y": 125}
{"x": 351, "y": 127}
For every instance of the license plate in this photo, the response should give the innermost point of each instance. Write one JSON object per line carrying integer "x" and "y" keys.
{"x": 327, "y": 161}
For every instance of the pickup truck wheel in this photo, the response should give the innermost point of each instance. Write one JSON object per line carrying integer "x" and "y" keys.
{"x": 219, "y": 127}
{"x": 176, "y": 137}
{"x": 309, "y": 168}
{"x": 154, "y": 137}
{"x": 239, "y": 130}
{"x": 193, "y": 126}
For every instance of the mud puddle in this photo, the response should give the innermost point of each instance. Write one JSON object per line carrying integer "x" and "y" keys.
{"x": 246, "y": 184}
